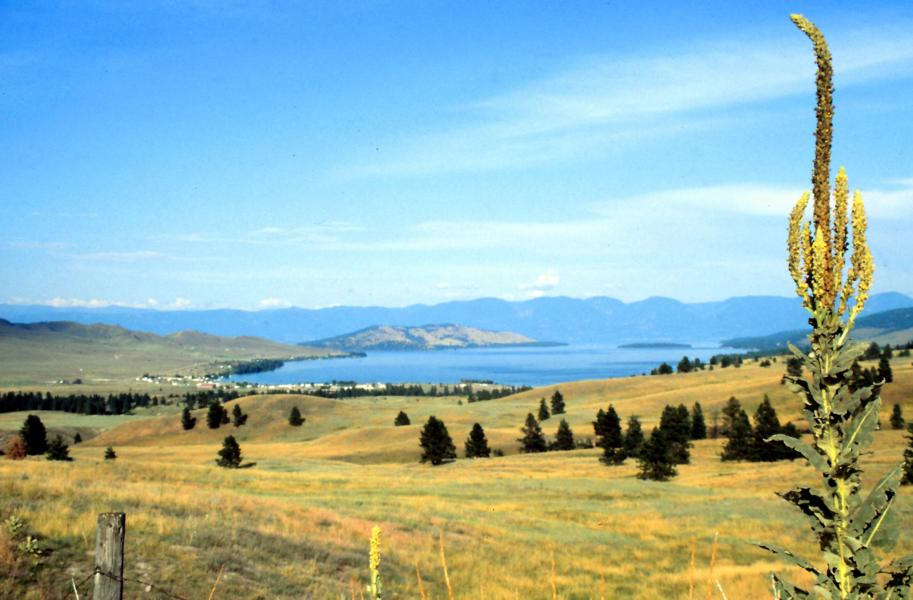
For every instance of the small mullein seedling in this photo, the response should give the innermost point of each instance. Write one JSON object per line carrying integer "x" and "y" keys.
{"x": 842, "y": 417}
{"x": 374, "y": 564}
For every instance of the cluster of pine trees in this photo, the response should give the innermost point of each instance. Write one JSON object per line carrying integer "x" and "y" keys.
{"x": 338, "y": 392}
{"x": 750, "y": 443}
{"x": 32, "y": 440}
{"x": 84, "y": 404}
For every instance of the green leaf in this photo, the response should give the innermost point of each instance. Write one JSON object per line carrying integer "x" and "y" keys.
{"x": 783, "y": 590}
{"x": 789, "y": 557}
{"x": 860, "y": 430}
{"x": 870, "y": 520}
{"x": 817, "y": 460}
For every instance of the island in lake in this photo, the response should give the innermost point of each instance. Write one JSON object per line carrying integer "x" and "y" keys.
{"x": 654, "y": 345}
{"x": 425, "y": 337}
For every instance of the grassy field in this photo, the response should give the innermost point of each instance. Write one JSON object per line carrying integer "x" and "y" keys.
{"x": 296, "y": 523}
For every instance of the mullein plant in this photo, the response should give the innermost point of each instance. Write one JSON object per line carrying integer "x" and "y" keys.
{"x": 846, "y": 523}
{"x": 374, "y": 564}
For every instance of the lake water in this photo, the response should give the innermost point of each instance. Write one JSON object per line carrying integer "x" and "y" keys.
{"x": 534, "y": 366}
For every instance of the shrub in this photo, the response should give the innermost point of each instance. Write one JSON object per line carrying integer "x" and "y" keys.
{"x": 16, "y": 450}
{"x": 401, "y": 419}
{"x": 110, "y": 454}
{"x": 58, "y": 450}
{"x": 294, "y": 417}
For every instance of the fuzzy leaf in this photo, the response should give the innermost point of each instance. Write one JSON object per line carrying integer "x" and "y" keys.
{"x": 859, "y": 430}
{"x": 873, "y": 521}
{"x": 846, "y": 356}
{"x": 817, "y": 460}
{"x": 789, "y": 557}
{"x": 783, "y": 590}
{"x": 814, "y": 506}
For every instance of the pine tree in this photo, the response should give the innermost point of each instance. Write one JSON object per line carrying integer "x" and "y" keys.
{"x": 230, "y": 454}
{"x": 215, "y": 415}
{"x": 634, "y": 438}
{"x": 557, "y": 403}
{"x": 684, "y": 365}
{"x": 655, "y": 460}
{"x": 907, "y": 477}
{"x": 543, "y": 410}
{"x": 564, "y": 438}
{"x": 676, "y": 425}
{"x": 740, "y": 445}
{"x": 225, "y": 420}
{"x": 609, "y": 438}
{"x": 238, "y": 417}
{"x": 436, "y": 443}
{"x": 110, "y": 454}
{"x": 897, "y": 420}
{"x": 294, "y": 417}
{"x": 731, "y": 412}
{"x": 401, "y": 419}
{"x": 188, "y": 421}
{"x": 532, "y": 440}
{"x": 766, "y": 424}
{"x": 477, "y": 444}
{"x": 34, "y": 435}
{"x": 884, "y": 369}
{"x": 57, "y": 450}
{"x": 698, "y": 426}
{"x": 77, "y": 439}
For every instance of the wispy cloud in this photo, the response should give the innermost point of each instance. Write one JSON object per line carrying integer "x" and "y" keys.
{"x": 133, "y": 256}
{"x": 609, "y": 101}
{"x": 59, "y": 302}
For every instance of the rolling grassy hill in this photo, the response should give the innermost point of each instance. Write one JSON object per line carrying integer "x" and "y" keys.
{"x": 41, "y": 352}
{"x": 296, "y": 524}
{"x": 426, "y": 337}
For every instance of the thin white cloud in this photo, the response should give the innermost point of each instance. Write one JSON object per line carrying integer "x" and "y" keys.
{"x": 273, "y": 303}
{"x": 608, "y": 101}
{"x": 132, "y": 256}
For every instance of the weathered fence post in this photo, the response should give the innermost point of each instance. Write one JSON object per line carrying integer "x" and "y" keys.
{"x": 109, "y": 556}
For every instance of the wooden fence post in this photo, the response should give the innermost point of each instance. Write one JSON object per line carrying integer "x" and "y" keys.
{"x": 109, "y": 556}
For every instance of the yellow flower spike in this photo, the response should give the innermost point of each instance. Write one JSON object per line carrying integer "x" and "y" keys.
{"x": 374, "y": 563}
{"x": 824, "y": 111}
{"x": 861, "y": 261}
{"x": 841, "y": 200}
{"x": 820, "y": 275}
{"x": 794, "y": 245}
{"x": 807, "y": 260}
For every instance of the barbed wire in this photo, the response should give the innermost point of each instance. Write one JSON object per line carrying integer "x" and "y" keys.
{"x": 149, "y": 586}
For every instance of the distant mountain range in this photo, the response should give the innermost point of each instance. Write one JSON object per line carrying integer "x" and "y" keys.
{"x": 562, "y": 319}
{"x": 426, "y": 337}
{"x": 888, "y": 327}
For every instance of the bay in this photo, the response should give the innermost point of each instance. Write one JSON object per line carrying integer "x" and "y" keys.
{"x": 533, "y": 366}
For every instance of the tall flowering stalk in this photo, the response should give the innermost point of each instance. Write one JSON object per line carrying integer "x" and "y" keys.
{"x": 374, "y": 564}
{"x": 842, "y": 417}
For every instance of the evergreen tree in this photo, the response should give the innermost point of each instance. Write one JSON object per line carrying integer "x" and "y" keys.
{"x": 225, "y": 418}
{"x": 543, "y": 410}
{"x": 436, "y": 443}
{"x": 57, "y": 450}
{"x": 655, "y": 460}
{"x": 634, "y": 438}
{"x": 884, "y": 369}
{"x": 77, "y": 439}
{"x": 684, "y": 365}
{"x": 110, "y": 454}
{"x": 401, "y": 419}
{"x": 557, "y": 403}
{"x": 294, "y": 417}
{"x": 740, "y": 445}
{"x": 238, "y": 417}
{"x": 230, "y": 454}
{"x": 609, "y": 438}
{"x": 532, "y": 440}
{"x": 907, "y": 478}
{"x": 664, "y": 369}
{"x": 564, "y": 438}
{"x": 731, "y": 412}
{"x": 188, "y": 421}
{"x": 676, "y": 425}
{"x": 698, "y": 426}
{"x": 477, "y": 444}
{"x": 34, "y": 435}
{"x": 215, "y": 414}
{"x": 897, "y": 420}
{"x": 766, "y": 424}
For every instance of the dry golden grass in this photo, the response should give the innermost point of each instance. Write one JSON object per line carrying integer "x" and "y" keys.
{"x": 297, "y": 523}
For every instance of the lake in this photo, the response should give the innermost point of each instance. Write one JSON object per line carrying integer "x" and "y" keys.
{"x": 533, "y": 366}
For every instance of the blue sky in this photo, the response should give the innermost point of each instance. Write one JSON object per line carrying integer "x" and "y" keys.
{"x": 203, "y": 154}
